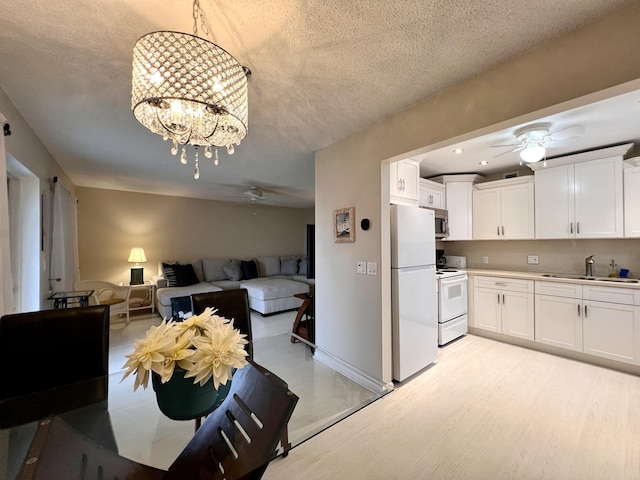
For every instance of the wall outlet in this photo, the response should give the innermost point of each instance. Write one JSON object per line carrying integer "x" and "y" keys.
{"x": 361, "y": 267}
{"x": 485, "y": 259}
{"x": 372, "y": 268}
{"x": 532, "y": 259}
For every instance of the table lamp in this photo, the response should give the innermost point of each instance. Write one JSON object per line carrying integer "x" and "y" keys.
{"x": 137, "y": 256}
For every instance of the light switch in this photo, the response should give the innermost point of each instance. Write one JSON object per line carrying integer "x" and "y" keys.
{"x": 372, "y": 268}
{"x": 361, "y": 267}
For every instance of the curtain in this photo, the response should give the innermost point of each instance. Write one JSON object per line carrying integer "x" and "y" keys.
{"x": 6, "y": 282}
{"x": 63, "y": 239}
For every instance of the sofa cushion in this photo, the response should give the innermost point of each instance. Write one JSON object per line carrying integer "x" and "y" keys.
{"x": 249, "y": 269}
{"x": 302, "y": 268}
{"x": 185, "y": 275}
{"x": 212, "y": 269}
{"x": 164, "y": 295}
{"x": 268, "y": 266}
{"x": 289, "y": 265}
{"x": 272, "y": 288}
{"x": 232, "y": 271}
{"x": 227, "y": 284}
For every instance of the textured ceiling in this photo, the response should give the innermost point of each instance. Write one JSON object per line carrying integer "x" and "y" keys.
{"x": 321, "y": 71}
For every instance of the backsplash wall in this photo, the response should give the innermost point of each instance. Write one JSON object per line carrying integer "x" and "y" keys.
{"x": 555, "y": 256}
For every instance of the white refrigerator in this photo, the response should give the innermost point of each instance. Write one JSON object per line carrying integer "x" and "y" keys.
{"x": 414, "y": 300}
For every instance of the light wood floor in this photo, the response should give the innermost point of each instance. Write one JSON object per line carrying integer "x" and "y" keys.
{"x": 487, "y": 410}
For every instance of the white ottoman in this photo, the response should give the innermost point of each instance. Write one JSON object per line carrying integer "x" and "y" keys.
{"x": 273, "y": 295}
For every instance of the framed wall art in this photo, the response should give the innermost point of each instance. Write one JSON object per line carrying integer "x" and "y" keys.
{"x": 344, "y": 225}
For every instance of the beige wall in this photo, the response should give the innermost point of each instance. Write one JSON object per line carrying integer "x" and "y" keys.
{"x": 556, "y": 256}
{"x": 25, "y": 147}
{"x": 110, "y": 223}
{"x": 353, "y": 314}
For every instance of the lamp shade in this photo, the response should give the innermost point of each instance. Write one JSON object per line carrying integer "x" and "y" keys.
{"x": 137, "y": 255}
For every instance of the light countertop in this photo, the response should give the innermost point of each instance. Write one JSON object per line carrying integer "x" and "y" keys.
{"x": 540, "y": 277}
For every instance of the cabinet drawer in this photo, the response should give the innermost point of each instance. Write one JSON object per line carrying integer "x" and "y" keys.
{"x": 502, "y": 283}
{"x": 599, "y": 293}
{"x": 559, "y": 289}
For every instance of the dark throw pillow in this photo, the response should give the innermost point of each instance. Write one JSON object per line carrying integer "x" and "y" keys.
{"x": 186, "y": 275}
{"x": 249, "y": 269}
{"x": 169, "y": 272}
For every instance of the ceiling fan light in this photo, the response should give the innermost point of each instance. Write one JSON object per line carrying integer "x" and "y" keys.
{"x": 533, "y": 153}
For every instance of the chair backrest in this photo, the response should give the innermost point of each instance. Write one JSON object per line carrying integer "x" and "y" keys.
{"x": 233, "y": 304}
{"x": 240, "y": 437}
{"x": 67, "y": 352}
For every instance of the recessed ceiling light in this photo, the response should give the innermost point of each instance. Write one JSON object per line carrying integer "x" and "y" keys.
{"x": 483, "y": 162}
{"x": 458, "y": 150}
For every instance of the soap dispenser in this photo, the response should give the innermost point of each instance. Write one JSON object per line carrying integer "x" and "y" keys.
{"x": 613, "y": 270}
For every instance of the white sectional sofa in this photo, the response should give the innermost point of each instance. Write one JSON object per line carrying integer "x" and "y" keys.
{"x": 271, "y": 281}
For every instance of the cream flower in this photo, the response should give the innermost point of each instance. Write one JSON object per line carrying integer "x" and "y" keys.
{"x": 205, "y": 345}
{"x": 217, "y": 352}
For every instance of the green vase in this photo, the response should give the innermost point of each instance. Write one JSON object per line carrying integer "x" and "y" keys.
{"x": 181, "y": 399}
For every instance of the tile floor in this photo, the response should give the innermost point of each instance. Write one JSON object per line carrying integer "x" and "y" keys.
{"x": 145, "y": 435}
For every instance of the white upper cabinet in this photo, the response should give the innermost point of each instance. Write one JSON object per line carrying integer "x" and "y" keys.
{"x": 431, "y": 194}
{"x": 404, "y": 178}
{"x": 632, "y": 198}
{"x": 459, "y": 204}
{"x": 504, "y": 209}
{"x": 578, "y": 196}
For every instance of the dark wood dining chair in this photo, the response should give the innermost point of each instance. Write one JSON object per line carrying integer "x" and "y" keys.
{"x": 232, "y": 304}
{"x": 236, "y": 441}
{"x": 68, "y": 352}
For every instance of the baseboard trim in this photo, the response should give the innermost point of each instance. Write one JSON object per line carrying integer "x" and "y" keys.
{"x": 353, "y": 373}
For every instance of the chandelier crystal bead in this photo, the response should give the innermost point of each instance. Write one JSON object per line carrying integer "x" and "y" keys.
{"x": 190, "y": 91}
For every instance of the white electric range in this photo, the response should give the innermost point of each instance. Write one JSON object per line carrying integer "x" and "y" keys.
{"x": 452, "y": 304}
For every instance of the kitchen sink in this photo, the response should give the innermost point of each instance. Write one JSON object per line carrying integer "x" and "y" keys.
{"x": 584, "y": 277}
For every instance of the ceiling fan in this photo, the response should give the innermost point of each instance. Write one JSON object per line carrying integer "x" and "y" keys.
{"x": 535, "y": 139}
{"x": 254, "y": 193}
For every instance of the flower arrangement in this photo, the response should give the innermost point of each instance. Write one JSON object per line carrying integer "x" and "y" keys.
{"x": 206, "y": 346}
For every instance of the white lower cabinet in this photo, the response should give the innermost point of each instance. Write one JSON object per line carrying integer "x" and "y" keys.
{"x": 594, "y": 319}
{"x": 559, "y": 322}
{"x": 611, "y": 331}
{"x": 505, "y": 306}
{"x": 597, "y": 320}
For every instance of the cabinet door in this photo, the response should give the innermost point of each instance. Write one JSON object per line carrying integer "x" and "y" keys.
{"x": 598, "y": 204}
{"x": 409, "y": 171}
{"x": 517, "y": 314}
{"x": 431, "y": 194}
{"x": 558, "y": 322}
{"x": 395, "y": 187}
{"x": 631, "y": 202}
{"x": 611, "y": 331}
{"x": 486, "y": 214}
{"x": 516, "y": 207}
{"x": 486, "y": 309}
{"x": 459, "y": 206}
{"x": 554, "y": 202}
{"x": 403, "y": 182}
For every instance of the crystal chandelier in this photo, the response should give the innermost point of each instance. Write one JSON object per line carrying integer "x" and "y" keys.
{"x": 190, "y": 91}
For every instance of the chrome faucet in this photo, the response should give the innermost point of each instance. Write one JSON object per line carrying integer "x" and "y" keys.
{"x": 588, "y": 266}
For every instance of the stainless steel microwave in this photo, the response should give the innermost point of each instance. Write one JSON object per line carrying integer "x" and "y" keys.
{"x": 442, "y": 222}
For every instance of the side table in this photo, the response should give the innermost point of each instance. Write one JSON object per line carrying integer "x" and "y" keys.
{"x": 79, "y": 298}
{"x": 147, "y": 300}
{"x": 304, "y": 329}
